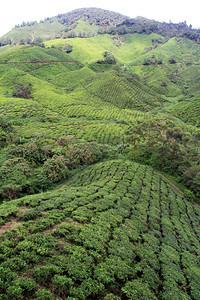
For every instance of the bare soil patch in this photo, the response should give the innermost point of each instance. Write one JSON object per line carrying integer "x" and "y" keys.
{"x": 23, "y": 209}
{"x": 9, "y": 225}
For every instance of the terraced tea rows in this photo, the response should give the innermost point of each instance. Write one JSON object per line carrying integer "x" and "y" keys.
{"x": 188, "y": 110}
{"x": 102, "y": 113}
{"x": 29, "y": 53}
{"x": 121, "y": 91}
{"x": 115, "y": 230}
{"x": 102, "y": 132}
{"x": 77, "y": 103}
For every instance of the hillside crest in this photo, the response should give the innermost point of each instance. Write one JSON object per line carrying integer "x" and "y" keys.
{"x": 88, "y": 22}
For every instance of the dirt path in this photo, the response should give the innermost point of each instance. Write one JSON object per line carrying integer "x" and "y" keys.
{"x": 181, "y": 193}
{"x": 37, "y": 62}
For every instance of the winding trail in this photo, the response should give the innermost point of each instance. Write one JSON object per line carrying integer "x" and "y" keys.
{"x": 37, "y": 62}
{"x": 181, "y": 193}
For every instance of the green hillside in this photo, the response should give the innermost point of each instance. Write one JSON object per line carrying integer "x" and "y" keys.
{"x": 115, "y": 231}
{"x": 87, "y": 22}
{"x": 123, "y": 91}
{"x": 31, "y": 32}
{"x": 181, "y": 50}
{"x": 99, "y": 159}
{"x": 33, "y": 54}
{"x": 172, "y": 68}
{"x": 188, "y": 110}
{"x": 125, "y": 48}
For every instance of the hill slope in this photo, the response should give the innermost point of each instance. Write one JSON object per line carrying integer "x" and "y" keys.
{"x": 115, "y": 230}
{"x": 122, "y": 91}
{"x": 87, "y": 22}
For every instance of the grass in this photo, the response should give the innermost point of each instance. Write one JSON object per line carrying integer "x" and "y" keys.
{"x": 86, "y": 50}
{"x": 85, "y": 27}
{"x": 158, "y": 78}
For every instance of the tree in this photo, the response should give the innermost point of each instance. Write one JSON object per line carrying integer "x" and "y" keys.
{"x": 108, "y": 59}
{"x": 172, "y": 60}
{"x": 55, "y": 168}
{"x": 22, "y": 42}
{"x": 10, "y": 191}
{"x": 28, "y": 40}
{"x": 22, "y": 91}
{"x": 38, "y": 42}
{"x": 68, "y": 48}
{"x": 133, "y": 134}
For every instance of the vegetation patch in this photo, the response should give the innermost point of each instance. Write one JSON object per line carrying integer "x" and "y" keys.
{"x": 9, "y": 225}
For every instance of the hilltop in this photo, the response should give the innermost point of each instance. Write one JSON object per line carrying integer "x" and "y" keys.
{"x": 87, "y": 22}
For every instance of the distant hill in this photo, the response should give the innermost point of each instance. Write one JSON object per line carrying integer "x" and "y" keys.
{"x": 87, "y": 22}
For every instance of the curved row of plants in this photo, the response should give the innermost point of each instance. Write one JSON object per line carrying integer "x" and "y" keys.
{"x": 115, "y": 231}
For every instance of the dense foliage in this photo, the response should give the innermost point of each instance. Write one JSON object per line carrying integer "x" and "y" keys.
{"x": 34, "y": 166}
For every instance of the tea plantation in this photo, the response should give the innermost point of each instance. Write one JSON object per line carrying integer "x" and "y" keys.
{"x": 99, "y": 159}
{"x": 115, "y": 230}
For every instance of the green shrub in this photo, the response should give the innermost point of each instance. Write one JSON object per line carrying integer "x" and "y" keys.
{"x": 138, "y": 290}
{"x": 55, "y": 168}
{"x": 108, "y": 59}
{"x": 61, "y": 283}
{"x": 68, "y": 48}
{"x": 44, "y": 294}
{"x": 44, "y": 274}
{"x": 10, "y": 191}
{"x": 30, "y": 214}
{"x": 189, "y": 195}
{"x": 15, "y": 292}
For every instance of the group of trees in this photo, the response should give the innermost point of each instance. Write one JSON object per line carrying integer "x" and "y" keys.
{"x": 23, "y": 24}
{"x": 142, "y": 25}
{"x": 167, "y": 147}
{"x": 152, "y": 61}
{"x": 22, "y": 90}
{"x": 5, "y": 42}
{"x": 24, "y": 41}
{"x": 67, "y": 48}
{"x": 6, "y": 131}
{"x": 95, "y": 16}
{"x": 33, "y": 42}
{"x": 35, "y": 166}
{"x": 108, "y": 59}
